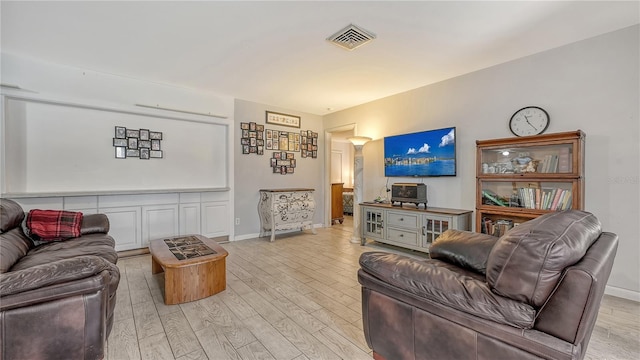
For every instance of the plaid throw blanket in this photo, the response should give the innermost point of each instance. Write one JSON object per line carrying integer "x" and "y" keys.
{"x": 53, "y": 225}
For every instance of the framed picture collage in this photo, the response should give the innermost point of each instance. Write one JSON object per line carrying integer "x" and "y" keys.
{"x": 137, "y": 143}
{"x": 255, "y": 139}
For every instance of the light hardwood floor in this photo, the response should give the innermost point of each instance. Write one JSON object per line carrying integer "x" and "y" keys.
{"x": 296, "y": 298}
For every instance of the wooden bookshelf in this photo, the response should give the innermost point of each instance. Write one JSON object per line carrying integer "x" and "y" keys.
{"x": 521, "y": 178}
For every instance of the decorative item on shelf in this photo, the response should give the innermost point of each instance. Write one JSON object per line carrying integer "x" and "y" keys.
{"x": 283, "y": 162}
{"x": 252, "y": 138}
{"x": 282, "y": 119}
{"x": 137, "y": 143}
{"x": 531, "y": 167}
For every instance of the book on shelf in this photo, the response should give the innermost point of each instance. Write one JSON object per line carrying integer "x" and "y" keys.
{"x": 545, "y": 198}
{"x": 564, "y": 160}
{"x": 493, "y": 197}
{"x": 496, "y": 227}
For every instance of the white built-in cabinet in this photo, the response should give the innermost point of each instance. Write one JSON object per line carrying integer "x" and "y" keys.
{"x": 135, "y": 219}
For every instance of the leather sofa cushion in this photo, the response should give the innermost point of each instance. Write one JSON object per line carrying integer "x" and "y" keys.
{"x": 526, "y": 263}
{"x": 94, "y": 223}
{"x": 11, "y": 215}
{"x": 13, "y": 246}
{"x": 101, "y": 245}
{"x": 447, "y": 285}
{"x": 463, "y": 248}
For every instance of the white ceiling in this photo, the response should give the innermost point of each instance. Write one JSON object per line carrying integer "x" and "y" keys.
{"x": 275, "y": 52}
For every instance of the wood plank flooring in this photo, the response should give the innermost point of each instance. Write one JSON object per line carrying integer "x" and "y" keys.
{"x": 296, "y": 298}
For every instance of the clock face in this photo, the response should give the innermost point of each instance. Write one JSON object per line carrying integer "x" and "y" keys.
{"x": 530, "y": 120}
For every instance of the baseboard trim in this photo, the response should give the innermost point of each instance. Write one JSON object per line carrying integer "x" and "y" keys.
{"x": 257, "y": 235}
{"x": 622, "y": 293}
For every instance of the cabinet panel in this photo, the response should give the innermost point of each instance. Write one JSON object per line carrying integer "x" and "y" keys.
{"x": 434, "y": 226}
{"x": 124, "y": 226}
{"x": 189, "y": 219}
{"x": 404, "y": 237}
{"x": 214, "y": 219}
{"x": 159, "y": 221}
{"x": 372, "y": 223}
{"x": 402, "y": 219}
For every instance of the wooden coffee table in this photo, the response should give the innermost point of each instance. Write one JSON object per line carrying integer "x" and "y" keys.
{"x": 189, "y": 279}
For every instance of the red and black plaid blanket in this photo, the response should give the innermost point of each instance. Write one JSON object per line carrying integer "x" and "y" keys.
{"x": 53, "y": 225}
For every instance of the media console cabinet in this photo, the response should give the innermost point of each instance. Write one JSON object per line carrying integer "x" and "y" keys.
{"x": 285, "y": 209}
{"x": 408, "y": 226}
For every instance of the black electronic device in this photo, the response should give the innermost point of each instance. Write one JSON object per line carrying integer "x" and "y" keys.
{"x": 409, "y": 193}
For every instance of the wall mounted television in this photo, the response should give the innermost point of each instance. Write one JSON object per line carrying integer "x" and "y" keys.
{"x": 421, "y": 154}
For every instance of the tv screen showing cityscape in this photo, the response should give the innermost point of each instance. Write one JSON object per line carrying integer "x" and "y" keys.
{"x": 421, "y": 154}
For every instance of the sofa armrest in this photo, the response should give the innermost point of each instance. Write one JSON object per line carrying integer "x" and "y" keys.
{"x": 94, "y": 223}
{"x": 56, "y": 272}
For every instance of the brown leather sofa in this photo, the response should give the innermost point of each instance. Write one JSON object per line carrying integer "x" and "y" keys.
{"x": 534, "y": 293}
{"x": 57, "y": 299}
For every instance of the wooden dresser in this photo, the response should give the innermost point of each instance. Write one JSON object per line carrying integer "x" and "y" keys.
{"x": 286, "y": 209}
{"x": 337, "y": 210}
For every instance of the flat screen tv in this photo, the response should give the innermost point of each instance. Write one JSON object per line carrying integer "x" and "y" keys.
{"x": 421, "y": 154}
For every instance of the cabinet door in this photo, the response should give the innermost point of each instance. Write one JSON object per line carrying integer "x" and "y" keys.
{"x": 215, "y": 219}
{"x": 434, "y": 226}
{"x": 124, "y": 226}
{"x": 159, "y": 221}
{"x": 189, "y": 219}
{"x": 373, "y": 223}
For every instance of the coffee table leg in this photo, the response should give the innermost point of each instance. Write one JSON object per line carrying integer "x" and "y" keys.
{"x": 155, "y": 266}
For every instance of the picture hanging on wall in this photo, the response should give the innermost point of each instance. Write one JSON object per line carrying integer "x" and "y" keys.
{"x": 283, "y": 162}
{"x": 308, "y": 144}
{"x": 137, "y": 143}
{"x": 252, "y": 138}
{"x": 282, "y": 119}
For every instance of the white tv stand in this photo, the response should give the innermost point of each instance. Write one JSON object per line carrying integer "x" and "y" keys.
{"x": 408, "y": 226}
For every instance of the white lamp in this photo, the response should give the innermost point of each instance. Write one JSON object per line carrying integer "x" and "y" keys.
{"x": 358, "y": 166}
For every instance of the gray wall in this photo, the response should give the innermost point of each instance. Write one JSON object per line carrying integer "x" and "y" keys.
{"x": 252, "y": 172}
{"x": 592, "y": 85}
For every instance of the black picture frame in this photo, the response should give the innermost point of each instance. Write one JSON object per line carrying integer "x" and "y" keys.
{"x": 121, "y": 132}
{"x": 120, "y": 152}
{"x": 144, "y": 134}
{"x": 155, "y": 154}
{"x": 120, "y": 142}
{"x": 132, "y": 133}
{"x": 133, "y": 153}
{"x": 277, "y": 118}
{"x": 155, "y": 135}
{"x": 144, "y": 153}
{"x": 132, "y": 143}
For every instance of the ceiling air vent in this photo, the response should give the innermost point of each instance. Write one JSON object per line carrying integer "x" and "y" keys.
{"x": 351, "y": 37}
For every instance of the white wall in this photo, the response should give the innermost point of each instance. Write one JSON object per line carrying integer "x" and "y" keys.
{"x": 592, "y": 85}
{"x": 252, "y": 171}
{"x": 86, "y": 89}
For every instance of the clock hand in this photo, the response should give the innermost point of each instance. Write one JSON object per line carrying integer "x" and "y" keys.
{"x": 527, "y": 119}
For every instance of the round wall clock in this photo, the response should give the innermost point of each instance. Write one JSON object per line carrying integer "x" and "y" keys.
{"x": 530, "y": 120}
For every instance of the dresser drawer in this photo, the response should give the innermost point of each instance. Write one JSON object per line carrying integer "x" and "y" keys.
{"x": 405, "y": 220}
{"x": 402, "y": 236}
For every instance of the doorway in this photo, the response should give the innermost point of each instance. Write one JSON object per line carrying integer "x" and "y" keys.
{"x": 339, "y": 167}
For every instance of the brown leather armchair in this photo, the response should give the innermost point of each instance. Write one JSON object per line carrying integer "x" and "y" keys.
{"x": 57, "y": 299}
{"x": 534, "y": 293}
